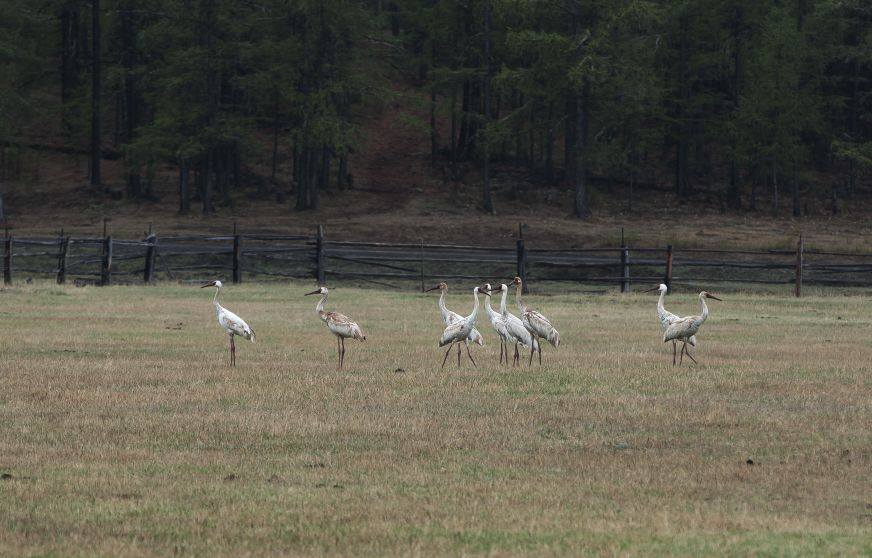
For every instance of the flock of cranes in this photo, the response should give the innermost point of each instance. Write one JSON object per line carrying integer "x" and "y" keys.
{"x": 526, "y": 330}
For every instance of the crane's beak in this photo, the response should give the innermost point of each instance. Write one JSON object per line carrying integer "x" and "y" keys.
{"x": 657, "y": 288}
{"x": 436, "y": 288}
{"x": 713, "y": 296}
{"x": 212, "y": 284}
{"x": 316, "y": 291}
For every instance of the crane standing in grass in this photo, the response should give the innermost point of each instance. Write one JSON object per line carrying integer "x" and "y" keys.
{"x": 339, "y": 324}
{"x": 515, "y": 330}
{"x": 498, "y": 321}
{"x": 449, "y": 317}
{"x": 683, "y": 329}
{"x": 460, "y": 330}
{"x": 231, "y": 323}
{"x": 667, "y": 318}
{"x": 537, "y": 324}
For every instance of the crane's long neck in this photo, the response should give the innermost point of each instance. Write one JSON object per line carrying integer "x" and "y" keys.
{"x": 471, "y": 318}
{"x": 521, "y": 306}
{"x": 216, "y": 303}
{"x": 503, "y": 310}
{"x": 319, "y": 308}
{"x": 442, "y": 309}
{"x": 490, "y": 310}
{"x": 660, "y": 308}
{"x": 705, "y": 312}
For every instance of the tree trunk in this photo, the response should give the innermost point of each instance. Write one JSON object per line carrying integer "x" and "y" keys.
{"x": 314, "y": 190}
{"x": 797, "y": 209}
{"x": 130, "y": 112}
{"x": 487, "y": 200}
{"x": 324, "y": 174}
{"x": 734, "y": 191}
{"x": 342, "y": 171}
{"x": 95, "y": 93}
{"x": 681, "y": 146}
{"x": 302, "y": 185}
{"x": 206, "y": 195}
{"x": 275, "y": 143}
{"x": 569, "y": 137}
{"x": 453, "y": 132}
{"x": 549, "y": 147}
{"x": 434, "y": 139}
{"x": 581, "y": 209}
{"x": 775, "y": 200}
{"x": 184, "y": 197}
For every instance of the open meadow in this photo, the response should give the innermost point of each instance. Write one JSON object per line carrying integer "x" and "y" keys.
{"x": 125, "y": 432}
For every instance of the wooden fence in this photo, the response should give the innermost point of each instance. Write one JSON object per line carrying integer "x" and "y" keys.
{"x": 107, "y": 260}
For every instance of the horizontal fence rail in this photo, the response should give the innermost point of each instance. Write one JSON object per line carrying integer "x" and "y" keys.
{"x": 260, "y": 257}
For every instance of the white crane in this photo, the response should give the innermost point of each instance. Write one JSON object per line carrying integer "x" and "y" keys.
{"x": 498, "y": 321}
{"x": 449, "y": 317}
{"x": 339, "y": 324}
{"x": 517, "y": 333}
{"x": 684, "y": 328}
{"x": 231, "y": 323}
{"x": 460, "y": 330}
{"x": 537, "y": 324}
{"x": 667, "y": 318}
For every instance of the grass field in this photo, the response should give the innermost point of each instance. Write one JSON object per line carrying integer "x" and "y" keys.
{"x": 126, "y": 433}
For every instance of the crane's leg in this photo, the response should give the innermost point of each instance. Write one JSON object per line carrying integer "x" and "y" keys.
{"x": 458, "y": 353}
{"x": 681, "y": 354}
{"x": 687, "y": 352}
{"x": 673, "y": 353}
{"x": 451, "y": 346}
{"x": 232, "y": 351}
{"x": 540, "y": 354}
{"x": 532, "y": 351}
{"x": 474, "y": 365}
{"x": 517, "y": 360}
{"x": 342, "y": 354}
{"x": 338, "y": 353}
{"x": 503, "y": 351}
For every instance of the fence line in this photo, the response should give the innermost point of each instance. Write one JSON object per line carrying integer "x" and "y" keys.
{"x": 99, "y": 260}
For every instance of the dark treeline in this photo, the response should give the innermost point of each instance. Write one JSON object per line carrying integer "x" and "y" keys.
{"x": 761, "y": 98}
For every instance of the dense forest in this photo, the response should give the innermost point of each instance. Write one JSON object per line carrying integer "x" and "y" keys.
{"x": 755, "y": 97}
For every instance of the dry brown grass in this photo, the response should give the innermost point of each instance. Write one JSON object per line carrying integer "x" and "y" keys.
{"x": 126, "y": 433}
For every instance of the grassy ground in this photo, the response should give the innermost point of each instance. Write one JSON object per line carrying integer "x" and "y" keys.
{"x": 126, "y": 433}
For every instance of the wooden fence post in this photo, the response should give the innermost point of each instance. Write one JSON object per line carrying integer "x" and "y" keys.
{"x": 237, "y": 257}
{"x": 150, "y": 255}
{"x": 667, "y": 279}
{"x": 106, "y": 264}
{"x": 7, "y": 260}
{"x": 63, "y": 250}
{"x": 319, "y": 254}
{"x": 522, "y": 264}
{"x": 625, "y": 269}
{"x": 799, "y": 255}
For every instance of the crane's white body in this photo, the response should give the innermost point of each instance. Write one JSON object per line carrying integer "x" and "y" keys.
{"x": 684, "y": 328}
{"x": 339, "y": 325}
{"x": 666, "y": 317}
{"x": 232, "y": 324}
{"x": 509, "y": 327}
{"x": 534, "y": 322}
{"x": 449, "y": 316}
{"x": 460, "y": 330}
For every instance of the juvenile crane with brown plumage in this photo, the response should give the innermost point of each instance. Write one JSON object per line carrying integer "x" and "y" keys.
{"x": 683, "y": 329}
{"x": 340, "y": 325}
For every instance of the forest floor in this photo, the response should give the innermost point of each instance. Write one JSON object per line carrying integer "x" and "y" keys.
{"x": 129, "y": 434}
{"x": 399, "y": 194}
